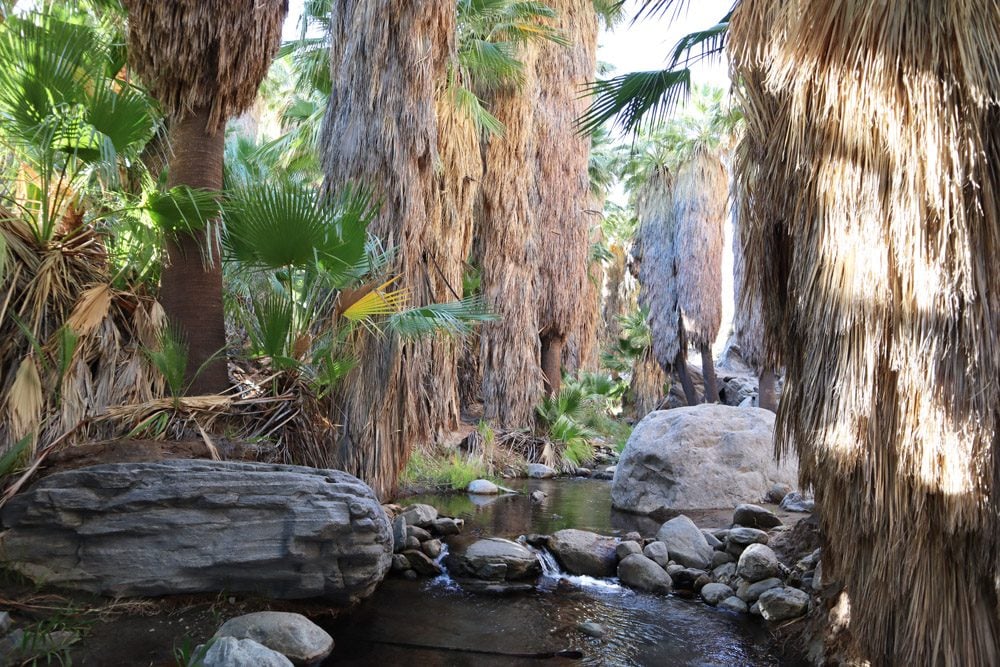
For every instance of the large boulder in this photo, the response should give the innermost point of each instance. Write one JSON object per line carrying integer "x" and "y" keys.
{"x": 705, "y": 456}
{"x": 193, "y": 526}
{"x": 292, "y": 635}
{"x": 685, "y": 543}
{"x": 582, "y": 552}
{"x": 643, "y": 574}
{"x": 232, "y": 652}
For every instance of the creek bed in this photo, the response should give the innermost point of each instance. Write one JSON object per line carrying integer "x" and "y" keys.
{"x": 434, "y": 622}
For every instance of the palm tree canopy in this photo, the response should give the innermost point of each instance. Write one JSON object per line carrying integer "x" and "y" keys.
{"x": 204, "y": 53}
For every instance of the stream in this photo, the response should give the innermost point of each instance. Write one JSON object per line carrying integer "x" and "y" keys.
{"x": 433, "y": 622}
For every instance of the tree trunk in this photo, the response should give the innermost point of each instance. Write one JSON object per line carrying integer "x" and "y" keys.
{"x": 381, "y": 130}
{"x": 708, "y": 372}
{"x": 552, "y": 349}
{"x": 681, "y": 366}
{"x": 767, "y": 397}
{"x": 191, "y": 281}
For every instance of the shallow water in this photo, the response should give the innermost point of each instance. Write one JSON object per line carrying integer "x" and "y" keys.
{"x": 436, "y": 623}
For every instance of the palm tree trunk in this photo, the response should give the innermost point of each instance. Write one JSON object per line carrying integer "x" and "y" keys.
{"x": 381, "y": 130}
{"x": 191, "y": 281}
{"x": 552, "y": 349}
{"x": 708, "y": 372}
{"x": 767, "y": 397}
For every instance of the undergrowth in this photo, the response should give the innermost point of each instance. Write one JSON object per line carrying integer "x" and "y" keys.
{"x": 443, "y": 470}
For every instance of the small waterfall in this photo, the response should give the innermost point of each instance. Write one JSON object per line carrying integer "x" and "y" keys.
{"x": 553, "y": 573}
{"x": 444, "y": 579}
{"x": 550, "y": 567}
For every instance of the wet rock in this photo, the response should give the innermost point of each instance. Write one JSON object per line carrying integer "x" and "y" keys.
{"x": 755, "y": 516}
{"x": 583, "y": 472}
{"x": 398, "y": 534}
{"x": 495, "y": 559}
{"x": 632, "y": 536}
{"x": 777, "y": 492}
{"x": 755, "y": 609}
{"x": 685, "y": 542}
{"x": 411, "y": 543}
{"x": 658, "y": 552}
{"x": 638, "y": 572}
{"x": 725, "y": 573}
{"x": 808, "y": 562}
{"x": 757, "y": 562}
{"x": 538, "y": 497}
{"x": 734, "y": 604}
{"x": 445, "y": 526}
{"x": 292, "y": 635}
{"x": 399, "y": 563}
{"x": 700, "y": 456}
{"x": 432, "y": 548}
{"x": 418, "y": 532}
{"x": 420, "y": 515}
{"x": 721, "y": 558}
{"x": 483, "y": 487}
{"x": 196, "y": 526}
{"x": 233, "y": 652}
{"x": 625, "y": 549}
{"x": 496, "y": 587}
{"x": 591, "y": 629}
{"x": 537, "y": 540}
{"x": 411, "y": 575}
{"x": 713, "y": 594}
{"x": 749, "y": 592}
{"x": 583, "y": 552}
{"x": 781, "y": 604}
{"x": 420, "y": 562}
{"x": 673, "y": 569}
{"x": 690, "y": 579}
{"x": 796, "y": 502}
{"x": 540, "y": 471}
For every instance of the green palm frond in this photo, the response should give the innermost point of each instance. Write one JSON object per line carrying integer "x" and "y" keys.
{"x": 453, "y": 317}
{"x": 181, "y": 209}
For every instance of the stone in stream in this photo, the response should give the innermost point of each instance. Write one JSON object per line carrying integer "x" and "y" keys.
{"x": 690, "y": 579}
{"x": 758, "y": 562}
{"x": 292, "y": 635}
{"x": 725, "y": 574}
{"x": 583, "y": 552}
{"x": 715, "y": 593}
{"x": 537, "y": 497}
{"x": 700, "y": 456}
{"x": 495, "y": 559}
{"x": 685, "y": 542}
{"x": 749, "y": 592}
{"x": 796, "y": 502}
{"x": 625, "y": 549}
{"x": 198, "y": 526}
{"x": 712, "y": 540}
{"x": 399, "y": 563}
{"x": 781, "y": 604}
{"x": 418, "y": 532}
{"x": 233, "y": 652}
{"x": 591, "y": 629}
{"x": 658, "y": 552}
{"x": 483, "y": 487}
{"x": 755, "y": 516}
{"x": 420, "y": 515}
{"x": 432, "y": 548}
{"x": 411, "y": 543}
{"x": 733, "y": 603}
{"x": 540, "y": 471}
{"x": 445, "y": 526}
{"x": 641, "y": 573}
{"x": 420, "y": 562}
{"x": 398, "y": 534}
{"x": 742, "y": 536}
{"x": 721, "y": 558}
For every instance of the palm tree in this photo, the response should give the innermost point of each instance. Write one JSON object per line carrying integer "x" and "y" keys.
{"x": 204, "y": 62}
{"x": 388, "y": 61}
{"x": 875, "y": 126}
{"x": 560, "y": 195}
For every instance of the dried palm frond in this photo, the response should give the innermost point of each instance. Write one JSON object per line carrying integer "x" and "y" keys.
{"x": 875, "y": 125}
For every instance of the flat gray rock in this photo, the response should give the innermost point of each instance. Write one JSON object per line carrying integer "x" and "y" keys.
{"x": 733, "y": 603}
{"x": 796, "y": 502}
{"x": 232, "y": 652}
{"x": 540, "y": 471}
{"x": 685, "y": 542}
{"x": 195, "y": 526}
{"x": 583, "y": 552}
{"x": 483, "y": 487}
{"x": 755, "y": 516}
{"x": 420, "y": 515}
{"x": 750, "y": 592}
{"x": 658, "y": 552}
{"x": 292, "y": 635}
{"x": 699, "y": 457}
{"x": 495, "y": 559}
{"x": 713, "y": 594}
{"x": 781, "y": 604}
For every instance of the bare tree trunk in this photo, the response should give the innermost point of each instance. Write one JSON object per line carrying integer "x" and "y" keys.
{"x": 191, "y": 281}
{"x": 767, "y": 397}
{"x": 552, "y": 349}
{"x": 681, "y": 367}
{"x": 708, "y": 371}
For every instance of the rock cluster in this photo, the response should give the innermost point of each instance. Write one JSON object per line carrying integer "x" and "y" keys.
{"x": 417, "y": 532}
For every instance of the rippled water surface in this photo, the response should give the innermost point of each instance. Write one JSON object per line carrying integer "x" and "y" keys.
{"x": 436, "y": 623}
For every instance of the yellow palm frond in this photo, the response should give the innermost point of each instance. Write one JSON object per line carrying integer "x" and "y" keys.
{"x": 378, "y": 302}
